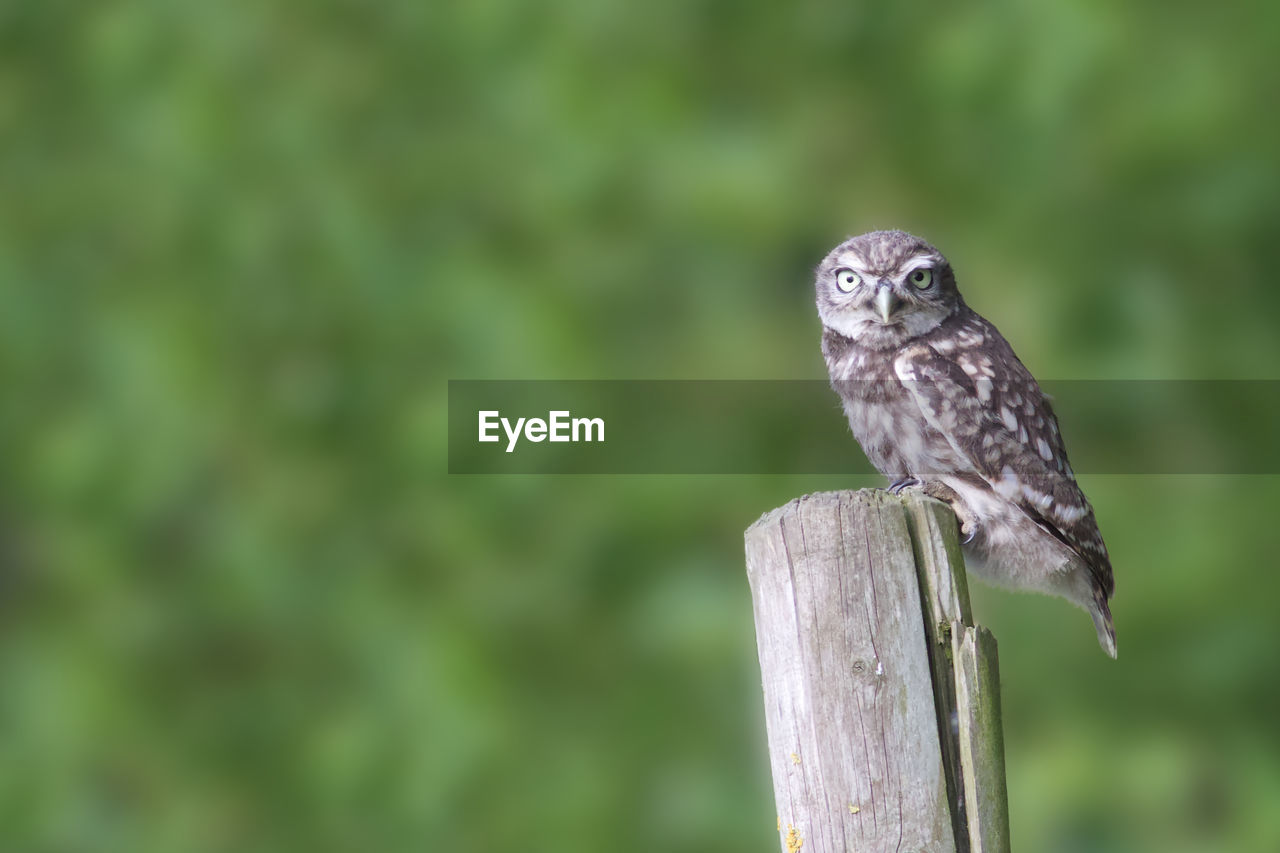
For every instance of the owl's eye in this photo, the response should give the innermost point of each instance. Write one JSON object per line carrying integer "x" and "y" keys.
{"x": 847, "y": 280}
{"x": 921, "y": 278}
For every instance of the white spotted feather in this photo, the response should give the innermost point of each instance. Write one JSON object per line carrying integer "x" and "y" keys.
{"x": 935, "y": 394}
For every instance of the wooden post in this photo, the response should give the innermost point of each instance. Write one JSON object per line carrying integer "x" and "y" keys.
{"x": 882, "y": 699}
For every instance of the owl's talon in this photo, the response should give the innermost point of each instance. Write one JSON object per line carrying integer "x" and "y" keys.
{"x": 905, "y": 482}
{"x": 929, "y": 385}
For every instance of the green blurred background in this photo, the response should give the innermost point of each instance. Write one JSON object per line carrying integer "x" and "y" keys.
{"x": 243, "y": 246}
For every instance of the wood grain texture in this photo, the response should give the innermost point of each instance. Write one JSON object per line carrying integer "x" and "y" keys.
{"x": 882, "y": 699}
{"x": 849, "y": 700}
{"x": 981, "y": 738}
{"x": 944, "y": 598}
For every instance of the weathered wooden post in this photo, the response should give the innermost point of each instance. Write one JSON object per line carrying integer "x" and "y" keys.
{"x": 882, "y": 699}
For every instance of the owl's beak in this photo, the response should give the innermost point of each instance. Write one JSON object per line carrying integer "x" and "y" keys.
{"x": 886, "y": 302}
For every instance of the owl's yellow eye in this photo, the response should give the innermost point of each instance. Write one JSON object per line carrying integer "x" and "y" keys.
{"x": 847, "y": 280}
{"x": 921, "y": 278}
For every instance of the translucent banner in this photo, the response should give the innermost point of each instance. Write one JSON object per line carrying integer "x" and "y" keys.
{"x": 798, "y": 427}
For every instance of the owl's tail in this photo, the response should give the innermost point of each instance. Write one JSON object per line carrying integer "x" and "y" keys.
{"x": 1101, "y": 613}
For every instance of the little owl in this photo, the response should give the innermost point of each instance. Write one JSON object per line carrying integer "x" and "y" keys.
{"x": 938, "y": 401}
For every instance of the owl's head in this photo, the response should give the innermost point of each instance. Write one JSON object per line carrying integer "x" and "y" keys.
{"x": 884, "y": 288}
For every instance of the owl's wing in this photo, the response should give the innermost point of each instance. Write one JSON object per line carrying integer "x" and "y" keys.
{"x": 993, "y": 413}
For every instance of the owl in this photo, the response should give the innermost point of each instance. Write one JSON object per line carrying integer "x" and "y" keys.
{"x": 939, "y": 402}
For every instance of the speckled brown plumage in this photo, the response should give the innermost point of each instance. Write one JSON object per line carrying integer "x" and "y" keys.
{"x": 938, "y": 399}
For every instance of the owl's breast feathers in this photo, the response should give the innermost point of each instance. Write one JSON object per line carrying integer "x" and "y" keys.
{"x": 935, "y": 394}
{"x": 972, "y": 389}
{"x": 882, "y": 415}
{"x": 957, "y": 401}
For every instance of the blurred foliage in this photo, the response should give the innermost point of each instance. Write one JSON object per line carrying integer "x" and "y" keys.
{"x": 242, "y": 247}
